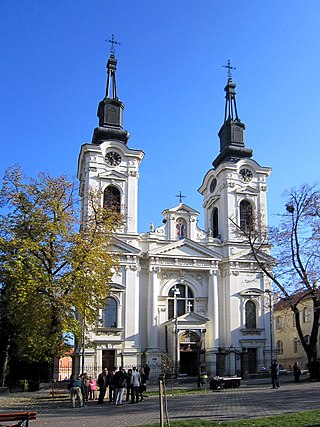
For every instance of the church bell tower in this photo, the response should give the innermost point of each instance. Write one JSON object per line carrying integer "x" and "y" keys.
{"x": 108, "y": 164}
{"x": 237, "y": 184}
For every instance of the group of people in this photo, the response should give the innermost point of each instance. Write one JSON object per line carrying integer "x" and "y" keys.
{"x": 275, "y": 373}
{"x": 82, "y": 388}
{"x": 115, "y": 381}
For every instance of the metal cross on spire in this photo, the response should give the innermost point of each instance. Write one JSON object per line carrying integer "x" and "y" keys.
{"x": 229, "y": 67}
{"x": 180, "y": 195}
{"x": 113, "y": 42}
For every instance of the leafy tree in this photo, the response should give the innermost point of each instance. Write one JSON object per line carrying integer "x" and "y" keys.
{"x": 295, "y": 268}
{"x": 52, "y": 271}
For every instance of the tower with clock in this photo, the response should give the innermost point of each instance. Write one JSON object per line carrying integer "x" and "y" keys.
{"x": 108, "y": 164}
{"x": 182, "y": 297}
{"x": 236, "y": 186}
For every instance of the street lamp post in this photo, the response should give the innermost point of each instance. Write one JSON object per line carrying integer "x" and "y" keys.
{"x": 176, "y": 292}
{"x": 83, "y": 341}
{"x": 269, "y": 292}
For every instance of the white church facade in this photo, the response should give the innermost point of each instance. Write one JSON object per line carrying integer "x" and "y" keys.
{"x": 193, "y": 295}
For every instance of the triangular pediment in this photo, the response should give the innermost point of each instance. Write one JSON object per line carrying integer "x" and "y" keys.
{"x": 112, "y": 174}
{"x": 192, "y": 317}
{"x": 247, "y": 190}
{"x": 184, "y": 248}
{"x": 119, "y": 246}
{"x": 181, "y": 208}
{"x": 211, "y": 200}
{"x": 252, "y": 292}
{"x": 246, "y": 255}
{"x": 190, "y": 320}
{"x": 117, "y": 287}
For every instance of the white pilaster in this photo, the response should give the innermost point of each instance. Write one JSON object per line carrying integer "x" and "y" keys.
{"x": 132, "y": 339}
{"x": 153, "y": 290}
{"x": 213, "y": 311}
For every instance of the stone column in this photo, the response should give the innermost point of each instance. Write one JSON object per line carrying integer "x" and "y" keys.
{"x": 132, "y": 310}
{"x": 213, "y": 324}
{"x": 153, "y": 291}
{"x": 213, "y": 311}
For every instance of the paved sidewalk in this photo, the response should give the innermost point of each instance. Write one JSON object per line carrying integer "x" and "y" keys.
{"x": 250, "y": 400}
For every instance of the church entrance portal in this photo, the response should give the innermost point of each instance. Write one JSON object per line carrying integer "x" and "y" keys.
{"x": 189, "y": 363}
{"x": 252, "y": 359}
{"x": 190, "y": 346}
{"x": 108, "y": 359}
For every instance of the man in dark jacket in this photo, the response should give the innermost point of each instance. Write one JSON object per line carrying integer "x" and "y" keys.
{"x": 120, "y": 382}
{"x": 274, "y": 370}
{"x": 77, "y": 391}
{"x": 103, "y": 382}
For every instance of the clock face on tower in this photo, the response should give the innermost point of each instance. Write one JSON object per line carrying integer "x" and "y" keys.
{"x": 113, "y": 158}
{"x": 245, "y": 175}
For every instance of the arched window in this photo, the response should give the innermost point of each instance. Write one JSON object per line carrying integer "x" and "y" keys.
{"x": 184, "y": 301}
{"x": 279, "y": 346}
{"x": 251, "y": 317}
{"x": 215, "y": 226}
{"x": 112, "y": 198}
{"x": 295, "y": 345}
{"x": 294, "y": 320}
{"x": 181, "y": 228}
{"x": 306, "y": 315}
{"x": 109, "y": 313}
{"x": 279, "y": 323}
{"x": 246, "y": 217}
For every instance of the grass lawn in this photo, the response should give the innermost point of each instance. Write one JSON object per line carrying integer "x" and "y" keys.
{"x": 300, "y": 419}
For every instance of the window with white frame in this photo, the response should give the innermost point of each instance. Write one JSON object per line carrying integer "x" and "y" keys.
{"x": 182, "y": 296}
{"x": 215, "y": 222}
{"x": 246, "y": 216}
{"x": 279, "y": 346}
{"x": 109, "y": 313}
{"x": 306, "y": 315}
{"x": 279, "y": 323}
{"x": 112, "y": 198}
{"x": 250, "y": 315}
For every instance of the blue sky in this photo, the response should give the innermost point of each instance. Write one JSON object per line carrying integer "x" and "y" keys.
{"x": 171, "y": 80}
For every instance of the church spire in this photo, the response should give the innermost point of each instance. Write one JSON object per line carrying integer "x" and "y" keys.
{"x": 230, "y": 111}
{"x": 112, "y": 68}
{"x": 231, "y": 134}
{"x": 110, "y": 109}
{"x": 111, "y": 78}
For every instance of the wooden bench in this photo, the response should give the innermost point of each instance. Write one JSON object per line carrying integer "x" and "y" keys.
{"x": 22, "y": 417}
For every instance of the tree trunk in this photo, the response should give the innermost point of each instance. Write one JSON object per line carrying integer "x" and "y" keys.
{"x": 76, "y": 358}
{"x": 5, "y": 365}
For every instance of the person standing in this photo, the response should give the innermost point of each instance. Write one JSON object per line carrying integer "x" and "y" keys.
{"x": 111, "y": 384}
{"x": 296, "y": 372}
{"x": 135, "y": 383}
{"x": 103, "y": 384}
{"x": 76, "y": 389}
{"x": 129, "y": 380}
{"x": 92, "y": 388}
{"x": 147, "y": 371}
{"x": 143, "y": 384}
{"x": 274, "y": 370}
{"x": 120, "y": 382}
{"x": 85, "y": 380}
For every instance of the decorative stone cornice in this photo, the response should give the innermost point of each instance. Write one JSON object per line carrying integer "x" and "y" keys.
{"x": 109, "y": 331}
{"x": 256, "y": 331}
